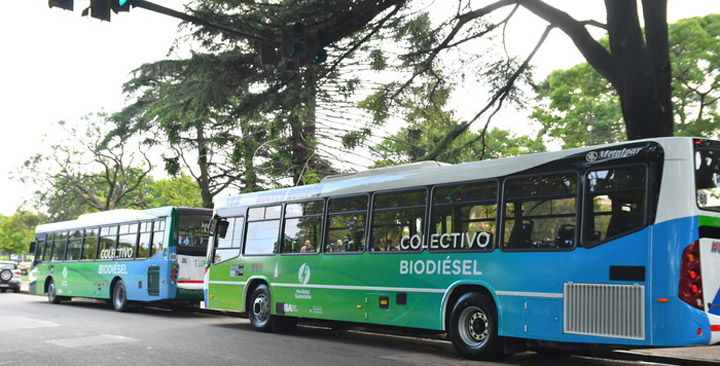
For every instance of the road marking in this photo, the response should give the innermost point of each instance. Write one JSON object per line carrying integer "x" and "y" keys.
{"x": 91, "y": 340}
{"x": 22, "y": 322}
{"x": 424, "y": 359}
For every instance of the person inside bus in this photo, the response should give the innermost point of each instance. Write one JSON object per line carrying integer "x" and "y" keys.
{"x": 307, "y": 248}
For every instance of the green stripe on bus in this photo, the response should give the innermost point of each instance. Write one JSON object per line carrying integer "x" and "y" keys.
{"x": 709, "y": 221}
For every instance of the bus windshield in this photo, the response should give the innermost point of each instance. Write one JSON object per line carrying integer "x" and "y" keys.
{"x": 192, "y": 234}
{"x": 707, "y": 179}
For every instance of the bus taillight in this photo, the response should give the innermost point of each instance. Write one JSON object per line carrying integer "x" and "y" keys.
{"x": 690, "y": 279}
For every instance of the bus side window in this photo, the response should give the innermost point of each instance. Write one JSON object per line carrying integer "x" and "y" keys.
{"x": 263, "y": 230}
{"x": 540, "y": 212}
{"x": 616, "y": 199}
{"x": 90, "y": 244}
{"x": 346, "y": 224}
{"x": 39, "y": 248}
{"x": 397, "y": 221}
{"x": 144, "y": 241}
{"x": 74, "y": 245}
{"x": 303, "y": 226}
{"x": 108, "y": 238}
{"x": 58, "y": 250}
{"x": 158, "y": 237}
{"x": 229, "y": 246}
{"x": 463, "y": 217}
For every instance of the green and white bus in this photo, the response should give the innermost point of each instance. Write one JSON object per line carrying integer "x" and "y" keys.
{"x": 154, "y": 255}
{"x": 616, "y": 244}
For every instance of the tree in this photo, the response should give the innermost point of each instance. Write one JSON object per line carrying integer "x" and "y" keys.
{"x": 181, "y": 191}
{"x": 580, "y": 107}
{"x": 18, "y": 230}
{"x": 84, "y": 172}
{"x": 429, "y": 120}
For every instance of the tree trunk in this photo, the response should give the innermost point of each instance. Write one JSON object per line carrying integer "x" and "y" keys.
{"x": 203, "y": 179}
{"x": 642, "y": 67}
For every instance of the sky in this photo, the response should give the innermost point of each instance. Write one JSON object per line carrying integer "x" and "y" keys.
{"x": 59, "y": 66}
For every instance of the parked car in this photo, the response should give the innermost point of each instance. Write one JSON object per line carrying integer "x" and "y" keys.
{"x": 9, "y": 276}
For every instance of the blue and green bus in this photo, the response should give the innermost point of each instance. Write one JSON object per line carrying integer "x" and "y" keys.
{"x": 153, "y": 255}
{"x": 615, "y": 245}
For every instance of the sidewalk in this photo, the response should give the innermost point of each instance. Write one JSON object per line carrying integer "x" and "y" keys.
{"x": 685, "y": 356}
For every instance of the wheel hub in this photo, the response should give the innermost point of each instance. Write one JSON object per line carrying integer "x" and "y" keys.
{"x": 260, "y": 308}
{"x": 473, "y": 327}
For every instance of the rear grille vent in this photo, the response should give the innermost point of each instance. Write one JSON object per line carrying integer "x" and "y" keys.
{"x": 616, "y": 311}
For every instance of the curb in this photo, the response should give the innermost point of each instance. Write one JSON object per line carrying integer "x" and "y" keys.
{"x": 634, "y": 356}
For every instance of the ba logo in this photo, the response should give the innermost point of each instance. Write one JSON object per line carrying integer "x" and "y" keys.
{"x": 715, "y": 247}
{"x": 304, "y": 274}
{"x": 591, "y": 156}
{"x": 64, "y": 272}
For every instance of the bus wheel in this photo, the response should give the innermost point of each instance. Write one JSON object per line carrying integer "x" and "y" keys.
{"x": 259, "y": 313}
{"x": 473, "y": 328}
{"x": 119, "y": 297}
{"x": 53, "y": 298}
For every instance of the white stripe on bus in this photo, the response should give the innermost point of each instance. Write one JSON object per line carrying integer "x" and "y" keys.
{"x": 529, "y": 294}
{"x": 364, "y": 288}
{"x": 227, "y": 283}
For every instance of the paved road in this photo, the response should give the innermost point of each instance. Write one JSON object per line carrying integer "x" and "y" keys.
{"x": 87, "y": 332}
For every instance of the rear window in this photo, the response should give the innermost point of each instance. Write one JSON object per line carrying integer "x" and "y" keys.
{"x": 707, "y": 179}
{"x": 8, "y": 266}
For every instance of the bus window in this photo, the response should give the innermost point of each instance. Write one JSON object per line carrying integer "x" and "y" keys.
{"x": 615, "y": 203}
{"x": 74, "y": 245}
{"x": 127, "y": 241}
{"x": 302, "y": 227}
{"x": 229, "y": 246}
{"x": 47, "y": 248}
{"x": 540, "y": 212}
{"x": 464, "y": 217}
{"x": 58, "y": 250}
{"x": 346, "y": 224}
{"x": 707, "y": 179}
{"x": 192, "y": 233}
{"x": 143, "y": 248}
{"x": 397, "y": 222}
{"x": 262, "y": 235}
{"x": 158, "y": 238}
{"x": 108, "y": 239}
{"x": 90, "y": 244}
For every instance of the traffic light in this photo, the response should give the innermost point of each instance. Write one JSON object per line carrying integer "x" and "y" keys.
{"x": 64, "y": 4}
{"x": 292, "y": 46}
{"x": 120, "y": 5}
{"x": 100, "y": 9}
{"x": 268, "y": 53}
{"x": 317, "y": 41}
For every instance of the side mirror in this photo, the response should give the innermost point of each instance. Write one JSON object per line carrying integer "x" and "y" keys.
{"x": 218, "y": 226}
{"x": 32, "y": 247}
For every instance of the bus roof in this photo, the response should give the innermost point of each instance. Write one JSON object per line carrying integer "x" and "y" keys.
{"x": 106, "y": 217}
{"x": 429, "y": 173}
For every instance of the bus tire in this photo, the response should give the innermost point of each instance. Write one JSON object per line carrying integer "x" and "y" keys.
{"x": 473, "y": 328}
{"x": 259, "y": 314}
{"x": 119, "y": 297}
{"x": 53, "y": 298}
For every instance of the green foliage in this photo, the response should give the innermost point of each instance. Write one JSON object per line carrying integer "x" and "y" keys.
{"x": 18, "y": 230}
{"x": 579, "y": 107}
{"x": 181, "y": 191}
{"x": 429, "y": 122}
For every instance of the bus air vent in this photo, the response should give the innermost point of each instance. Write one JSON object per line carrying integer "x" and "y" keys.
{"x": 616, "y": 311}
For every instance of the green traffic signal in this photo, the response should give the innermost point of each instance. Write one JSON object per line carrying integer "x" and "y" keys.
{"x": 122, "y": 2}
{"x": 320, "y": 56}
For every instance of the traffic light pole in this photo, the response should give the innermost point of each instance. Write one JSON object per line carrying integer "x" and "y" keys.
{"x": 195, "y": 20}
